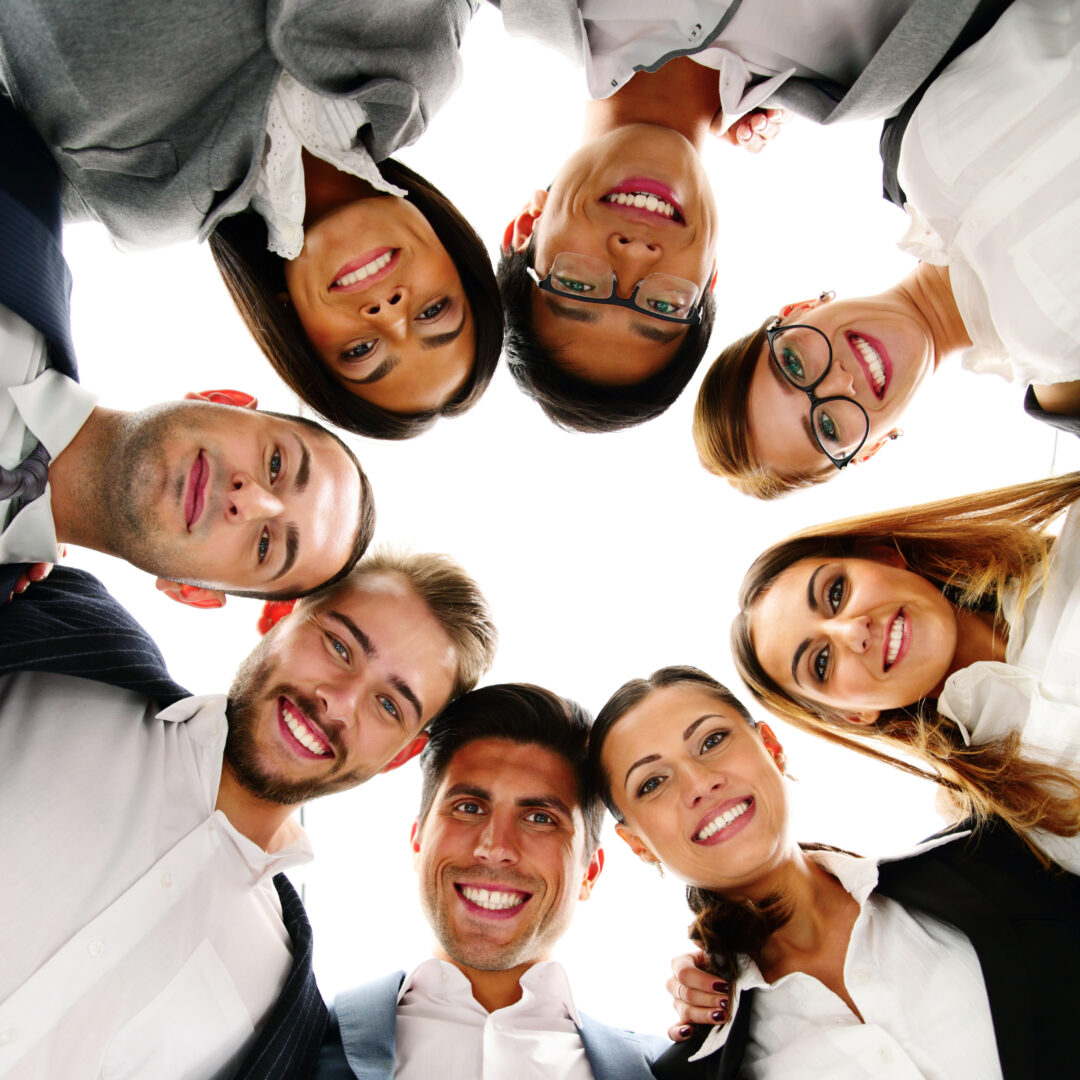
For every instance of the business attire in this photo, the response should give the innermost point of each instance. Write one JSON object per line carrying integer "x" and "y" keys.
{"x": 157, "y": 166}
{"x": 429, "y": 1023}
{"x": 144, "y": 932}
{"x": 42, "y": 406}
{"x": 922, "y": 918}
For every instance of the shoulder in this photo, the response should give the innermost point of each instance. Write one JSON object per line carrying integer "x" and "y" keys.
{"x": 617, "y": 1052}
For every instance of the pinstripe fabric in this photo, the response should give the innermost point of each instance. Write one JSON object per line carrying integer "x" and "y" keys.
{"x": 289, "y": 1044}
{"x": 70, "y": 624}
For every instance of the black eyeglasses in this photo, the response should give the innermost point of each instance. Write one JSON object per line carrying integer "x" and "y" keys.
{"x": 804, "y": 356}
{"x": 592, "y": 281}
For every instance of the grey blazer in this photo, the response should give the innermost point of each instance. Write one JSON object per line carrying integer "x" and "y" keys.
{"x": 361, "y": 1041}
{"x": 156, "y": 112}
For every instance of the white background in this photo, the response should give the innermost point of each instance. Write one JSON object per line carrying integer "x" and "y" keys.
{"x": 603, "y": 556}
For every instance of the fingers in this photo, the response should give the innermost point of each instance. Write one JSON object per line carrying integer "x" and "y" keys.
{"x": 756, "y": 129}
{"x": 679, "y": 1032}
{"x": 38, "y": 572}
{"x": 700, "y": 1006}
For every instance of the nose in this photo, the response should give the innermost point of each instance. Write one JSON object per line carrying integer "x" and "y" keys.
{"x": 853, "y": 632}
{"x": 389, "y": 311}
{"x": 700, "y": 783}
{"x": 495, "y": 844}
{"x": 838, "y": 382}
{"x": 248, "y": 500}
{"x": 633, "y": 256}
{"x": 340, "y": 698}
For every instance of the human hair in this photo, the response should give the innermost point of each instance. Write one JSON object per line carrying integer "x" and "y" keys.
{"x": 574, "y": 403}
{"x": 255, "y": 279}
{"x": 972, "y": 547}
{"x": 722, "y": 425}
{"x": 365, "y": 525}
{"x": 521, "y": 713}
{"x": 452, "y": 597}
{"x": 725, "y": 929}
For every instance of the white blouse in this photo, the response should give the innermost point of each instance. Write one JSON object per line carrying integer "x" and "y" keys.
{"x": 989, "y": 164}
{"x": 1036, "y": 690}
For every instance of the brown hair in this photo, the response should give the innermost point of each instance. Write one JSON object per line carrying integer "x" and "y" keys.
{"x": 450, "y": 595}
{"x": 722, "y": 426}
{"x": 255, "y": 278}
{"x": 970, "y": 546}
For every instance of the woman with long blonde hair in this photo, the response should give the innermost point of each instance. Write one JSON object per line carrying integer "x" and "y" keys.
{"x": 948, "y": 632}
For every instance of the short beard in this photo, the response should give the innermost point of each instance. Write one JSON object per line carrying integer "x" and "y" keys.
{"x": 247, "y": 697}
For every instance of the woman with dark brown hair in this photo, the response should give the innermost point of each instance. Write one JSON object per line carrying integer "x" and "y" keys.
{"x": 948, "y": 631}
{"x": 836, "y": 966}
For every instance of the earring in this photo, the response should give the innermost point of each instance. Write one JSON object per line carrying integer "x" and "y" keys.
{"x": 659, "y": 866}
{"x": 895, "y": 434}
{"x": 826, "y": 296}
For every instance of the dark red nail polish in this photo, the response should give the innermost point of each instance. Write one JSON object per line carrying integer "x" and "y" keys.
{"x": 686, "y": 1032}
{"x": 720, "y": 986}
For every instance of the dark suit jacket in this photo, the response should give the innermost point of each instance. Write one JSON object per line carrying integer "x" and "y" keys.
{"x": 1023, "y": 922}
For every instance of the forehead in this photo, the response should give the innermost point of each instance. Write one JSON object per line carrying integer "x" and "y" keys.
{"x": 778, "y": 619}
{"x": 511, "y": 771}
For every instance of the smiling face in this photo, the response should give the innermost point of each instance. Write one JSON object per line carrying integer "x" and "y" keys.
{"x": 229, "y": 498}
{"x": 382, "y": 303}
{"x": 637, "y": 198}
{"x": 338, "y": 690}
{"x": 501, "y": 855}
{"x": 697, "y": 788}
{"x": 882, "y": 349}
{"x": 859, "y": 635}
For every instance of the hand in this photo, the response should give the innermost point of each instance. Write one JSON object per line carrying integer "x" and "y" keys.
{"x": 38, "y": 572}
{"x": 755, "y": 129}
{"x": 697, "y": 996}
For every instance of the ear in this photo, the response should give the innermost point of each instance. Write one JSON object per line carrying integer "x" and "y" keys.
{"x": 867, "y": 716}
{"x": 192, "y": 595}
{"x": 520, "y": 230}
{"x": 592, "y": 872}
{"x": 870, "y": 449}
{"x": 772, "y": 744}
{"x": 240, "y": 398}
{"x": 407, "y": 753}
{"x": 636, "y": 844}
{"x": 803, "y": 306}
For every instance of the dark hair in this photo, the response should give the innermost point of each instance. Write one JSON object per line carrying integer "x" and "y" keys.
{"x": 522, "y": 713}
{"x": 255, "y": 277}
{"x": 365, "y": 525}
{"x": 575, "y": 403}
{"x": 631, "y": 694}
{"x": 722, "y": 425}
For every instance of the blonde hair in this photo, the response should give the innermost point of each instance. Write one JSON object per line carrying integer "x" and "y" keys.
{"x": 971, "y": 546}
{"x": 722, "y": 426}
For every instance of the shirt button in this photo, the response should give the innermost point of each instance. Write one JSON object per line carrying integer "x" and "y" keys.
{"x": 7, "y": 1036}
{"x": 166, "y": 880}
{"x": 885, "y": 1053}
{"x": 614, "y": 82}
{"x": 860, "y": 978}
{"x": 695, "y": 32}
{"x": 96, "y": 947}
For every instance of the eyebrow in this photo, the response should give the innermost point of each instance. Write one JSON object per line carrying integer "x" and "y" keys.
{"x": 303, "y": 471}
{"x": 774, "y": 370}
{"x": 541, "y": 802}
{"x": 811, "y": 600}
{"x": 795, "y": 660}
{"x": 367, "y": 646}
{"x": 578, "y": 312}
{"x": 380, "y": 372}
{"x": 691, "y": 728}
{"x": 292, "y": 546}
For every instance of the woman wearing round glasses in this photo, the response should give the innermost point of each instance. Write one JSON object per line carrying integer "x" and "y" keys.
{"x": 988, "y": 163}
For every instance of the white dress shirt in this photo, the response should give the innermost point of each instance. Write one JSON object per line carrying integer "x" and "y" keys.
{"x": 442, "y": 1030}
{"x": 37, "y": 404}
{"x": 1036, "y": 690}
{"x": 300, "y": 119}
{"x": 141, "y": 934}
{"x": 916, "y": 982}
{"x": 764, "y": 43}
{"x": 989, "y": 165}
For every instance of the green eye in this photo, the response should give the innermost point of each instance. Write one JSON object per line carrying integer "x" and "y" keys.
{"x": 791, "y": 364}
{"x": 573, "y": 285}
{"x": 827, "y": 427}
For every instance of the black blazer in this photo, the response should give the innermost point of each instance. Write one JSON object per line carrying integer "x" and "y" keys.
{"x": 1023, "y": 921}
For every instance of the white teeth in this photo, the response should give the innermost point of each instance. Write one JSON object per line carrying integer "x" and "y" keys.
{"x": 365, "y": 271}
{"x": 725, "y": 819}
{"x": 644, "y": 200}
{"x": 491, "y": 900}
{"x": 302, "y": 735}
{"x": 896, "y": 635}
{"x": 872, "y": 361}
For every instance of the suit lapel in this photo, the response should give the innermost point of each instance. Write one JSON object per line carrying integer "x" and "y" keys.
{"x": 614, "y": 1054}
{"x": 723, "y": 1064}
{"x": 367, "y": 1018}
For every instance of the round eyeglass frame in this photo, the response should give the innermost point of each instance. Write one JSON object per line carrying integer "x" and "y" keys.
{"x": 614, "y": 299}
{"x": 773, "y": 331}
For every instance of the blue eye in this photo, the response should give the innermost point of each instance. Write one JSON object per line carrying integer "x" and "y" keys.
{"x": 540, "y": 817}
{"x": 390, "y": 707}
{"x": 275, "y": 465}
{"x": 713, "y": 740}
{"x": 820, "y": 665}
{"x": 470, "y": 808}
{"x": 338, "y": 646}
{"x": 649, "y": 786}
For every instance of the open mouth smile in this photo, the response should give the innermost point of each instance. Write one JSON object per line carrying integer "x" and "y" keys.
{"x": 371, "y": 267}
{"x": 300, "y": 733}
{"x": 647, "y": 199}
{"x": 897, "y": 640}
{"x": 724, "y": 821}
{"x": 873, "y": 360}
{"x": 500, "y": 902}
{"x": 195, "y": 496}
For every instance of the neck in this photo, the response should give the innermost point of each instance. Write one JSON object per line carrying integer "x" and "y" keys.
{"x": 929, "y": 289}
{"x": 326, "y": 188}
{"x": 76, "y": 481}
{"x": 682, "y": 95}
{"x": 262, "y": 822}
{"x": 979, "y": 636}
{"x": 492, "y": 989}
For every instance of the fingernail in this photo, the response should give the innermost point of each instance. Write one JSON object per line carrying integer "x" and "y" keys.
{"x": 719, "y": 1015}
{"x": 720, "y": 986}
{"x": 686, "y": 1032}
{"x": 743, "y": 133}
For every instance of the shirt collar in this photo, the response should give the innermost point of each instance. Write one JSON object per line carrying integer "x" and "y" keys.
{"x": 54, "y": 408}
